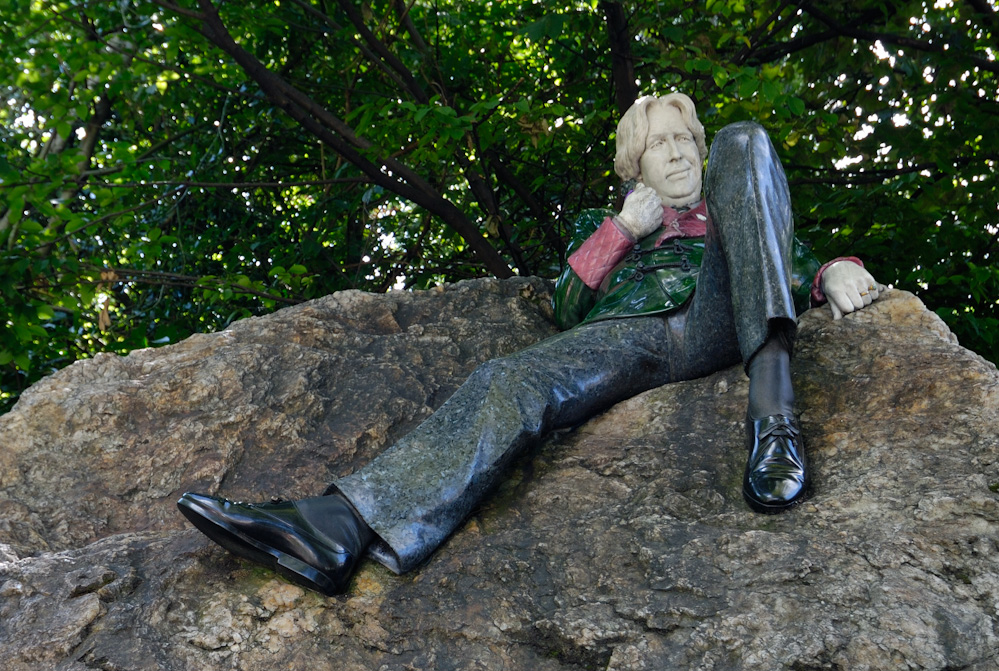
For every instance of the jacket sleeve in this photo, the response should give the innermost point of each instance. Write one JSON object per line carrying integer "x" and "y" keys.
{"x": 806, "y": 276}
{"x": 573, "y": 298}
{"x": 603, "y": 250}
{"x": 804, "y": 267}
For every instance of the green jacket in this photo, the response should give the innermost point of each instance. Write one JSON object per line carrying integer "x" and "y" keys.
{"x": 650, "y": 280}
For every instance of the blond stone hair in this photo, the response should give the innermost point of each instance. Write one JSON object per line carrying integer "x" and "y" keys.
{"x": 633, "y": 131}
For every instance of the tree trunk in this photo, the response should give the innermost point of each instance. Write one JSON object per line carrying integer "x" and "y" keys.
{"x": 622, "y": 64}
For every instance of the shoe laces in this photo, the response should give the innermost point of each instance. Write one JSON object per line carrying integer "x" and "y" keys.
{"x": 785, "y": 434}
{"x": 782, "y": 428}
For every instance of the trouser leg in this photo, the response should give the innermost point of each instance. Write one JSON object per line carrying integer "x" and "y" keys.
{"x": 748, "y": 200}
{"x": 743, "y": 294}
{"x": 416, "y": 493}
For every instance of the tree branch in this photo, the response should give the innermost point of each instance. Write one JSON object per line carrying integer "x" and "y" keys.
{"x": 386, "y": 172}
{"x": 159, "y": 277}
{"x": 794, "y": 45}
{"x": 383, "y": 52}
{"x": 895, "y": 40}
{"x": 402, "y": 9}
{"x": 986, "y": 11}
{"x": 371, "y": 56}
{"x": 177, "y": 9}
{"x": 875, "y": 176}
{"x": 240, "y": 185}
{"x": 757, "y": 36}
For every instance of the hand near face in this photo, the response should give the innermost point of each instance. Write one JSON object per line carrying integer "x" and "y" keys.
{"x": 642, "y": 212}
{"x": 849, "y": 287}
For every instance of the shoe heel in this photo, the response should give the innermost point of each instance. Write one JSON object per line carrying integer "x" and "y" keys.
{"x": 300, "y": 572}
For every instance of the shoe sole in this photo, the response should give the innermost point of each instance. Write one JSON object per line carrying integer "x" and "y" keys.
{"x": 243, "y": 546}
{"x": 767, "y": 509}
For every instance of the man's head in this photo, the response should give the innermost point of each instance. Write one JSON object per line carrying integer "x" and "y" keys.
{"x": 660, "y": 142}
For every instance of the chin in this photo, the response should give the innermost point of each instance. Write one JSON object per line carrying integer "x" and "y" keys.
{"x": 684, "y": 196}
{"x": 681, "y": 201}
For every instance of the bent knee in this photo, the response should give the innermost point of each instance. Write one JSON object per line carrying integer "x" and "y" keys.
{"x": 741, "y": 134}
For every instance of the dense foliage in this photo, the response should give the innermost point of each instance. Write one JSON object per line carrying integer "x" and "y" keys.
{"x": 167, "y": 168}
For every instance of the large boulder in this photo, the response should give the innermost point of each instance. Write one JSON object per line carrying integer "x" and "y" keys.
{"x": 624, "y": 544}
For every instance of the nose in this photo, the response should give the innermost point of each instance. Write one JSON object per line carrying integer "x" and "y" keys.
{"x": 672, "y": 149}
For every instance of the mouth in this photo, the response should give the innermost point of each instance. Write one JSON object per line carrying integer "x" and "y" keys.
{"x": 682, "y": 169}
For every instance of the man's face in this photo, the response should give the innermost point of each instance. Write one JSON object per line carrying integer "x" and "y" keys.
{"x": 671, "y": 164}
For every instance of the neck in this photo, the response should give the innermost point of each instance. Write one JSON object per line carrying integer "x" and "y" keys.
{"x": 685, "y": 206}
{"x": 683, "y": 202}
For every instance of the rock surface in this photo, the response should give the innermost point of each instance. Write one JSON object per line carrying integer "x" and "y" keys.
{"x": 624, "y": 544}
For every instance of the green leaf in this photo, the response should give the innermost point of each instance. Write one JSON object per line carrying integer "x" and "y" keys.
{"x": 550, "y": 26}
{"x": 7, "y": 171}
{"x": 721, "y": 77}
{"x": 770, "y": 90}
{"x": 701, "y": 64}
{"x": 76, "y": 223}
{"x": 748, "y": 86}
{"x": 16, "y": 205}
{"x": 28, "y": 225}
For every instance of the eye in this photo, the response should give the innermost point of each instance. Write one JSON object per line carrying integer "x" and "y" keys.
{"x": 683, "y": 137}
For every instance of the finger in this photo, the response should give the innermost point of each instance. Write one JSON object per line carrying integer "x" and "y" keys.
{"x": 840, "y": 303}
{"x": 635, "y": 193}
{"x": 873, "y": 291}
{"x": 837, "y": 314}
{"x": 856, "y": 300}
{"x": 848, "y": 300}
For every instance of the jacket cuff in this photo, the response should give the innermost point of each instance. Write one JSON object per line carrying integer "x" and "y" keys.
{"x": 603, "y": 250}
{"x": 817, "y": 295}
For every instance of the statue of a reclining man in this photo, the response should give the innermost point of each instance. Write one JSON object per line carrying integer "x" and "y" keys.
{"x": 672, "y": 288}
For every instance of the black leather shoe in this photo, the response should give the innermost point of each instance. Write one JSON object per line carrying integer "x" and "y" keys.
{"x": 775, "y": 478}
{"x": 278, "y": 536}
